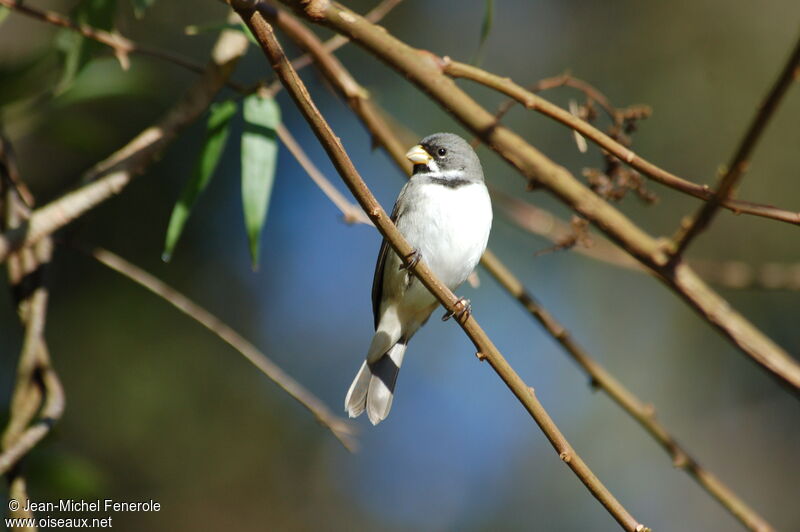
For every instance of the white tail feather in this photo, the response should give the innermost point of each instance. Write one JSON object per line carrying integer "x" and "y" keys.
{"x": 356, "y": 400}
{"x": 373, "y": 388}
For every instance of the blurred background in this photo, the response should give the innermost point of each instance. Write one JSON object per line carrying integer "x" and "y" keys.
{"x": 159, "y": 408}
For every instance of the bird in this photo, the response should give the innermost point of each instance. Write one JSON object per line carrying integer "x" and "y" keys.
{"x": 445, "y": 213}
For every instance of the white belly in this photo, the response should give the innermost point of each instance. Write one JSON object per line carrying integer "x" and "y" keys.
{"x": 450, "y": 227}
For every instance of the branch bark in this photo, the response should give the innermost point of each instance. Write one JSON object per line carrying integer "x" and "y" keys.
{"x": 426, "y": 71}
{"x": 486, "y": 349}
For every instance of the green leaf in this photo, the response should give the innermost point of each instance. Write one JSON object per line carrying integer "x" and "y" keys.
{"x": 4, "y": 12}
{"x": 486, "y": 28}
{"x": 78, "y": 51}
{"x": 217, "y": 127}
{"x": 259, "y": 156}
{"x": 140, "y": 6}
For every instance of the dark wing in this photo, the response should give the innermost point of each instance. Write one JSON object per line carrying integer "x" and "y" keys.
{"x": 377, "y": 279}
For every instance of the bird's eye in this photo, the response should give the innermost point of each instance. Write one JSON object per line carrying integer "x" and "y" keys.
{"x": 442, "y": 152}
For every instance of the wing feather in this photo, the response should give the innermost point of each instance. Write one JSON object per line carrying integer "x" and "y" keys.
{"x": 377, "y": 279}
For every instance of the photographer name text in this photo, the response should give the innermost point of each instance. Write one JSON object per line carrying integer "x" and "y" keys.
{"x": 97, "y": 505}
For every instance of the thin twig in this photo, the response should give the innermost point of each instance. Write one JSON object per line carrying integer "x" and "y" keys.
{"x": 563, "y": 80}
{"x": 122, "y": 46}
{"x": 741, "y": 159}
{"x": 351, "y": 212}
{"x": 426, "y": 71}
{"x": 537, "y": 103}
{"x": 294, "y": 85}
{"x": 341, "y": 429}
{"x": 10, "y": 171}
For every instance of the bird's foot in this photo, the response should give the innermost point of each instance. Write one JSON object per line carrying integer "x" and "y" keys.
{"x": 412, "y": 258}
{"x": 462, "y": 311}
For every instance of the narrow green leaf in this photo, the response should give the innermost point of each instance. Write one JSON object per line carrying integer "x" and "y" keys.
{"x": 140, "y": 6}
{"x": 259, "y": 156}
{"x": 216, "y": 137}
{"x": 486, "y": 28}
{"x": 78, "y": 50}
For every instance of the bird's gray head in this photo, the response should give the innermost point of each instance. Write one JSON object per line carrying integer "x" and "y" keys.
{"x": 446, "y": 159}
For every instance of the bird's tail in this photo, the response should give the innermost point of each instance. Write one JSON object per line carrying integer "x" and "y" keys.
{"x": 373, "y": 387}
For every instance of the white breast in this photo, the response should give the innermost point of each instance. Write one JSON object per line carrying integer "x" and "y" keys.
{"x": 450, "y": 226}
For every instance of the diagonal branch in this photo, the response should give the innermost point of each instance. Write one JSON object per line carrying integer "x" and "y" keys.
{"x": 535, "y": 102}
{"x": 741, "y": 159}
{"x": 341, "y": 429}
{"x": 425, "y": 70}
{"x": 486, "y": 349}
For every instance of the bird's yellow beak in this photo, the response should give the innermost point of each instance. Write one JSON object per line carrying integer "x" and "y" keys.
{"x": 418, "y": 155}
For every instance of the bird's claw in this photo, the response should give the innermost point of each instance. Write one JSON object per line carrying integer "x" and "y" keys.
{"x": 462, "y": 312}
{"x": 412, "y": 258}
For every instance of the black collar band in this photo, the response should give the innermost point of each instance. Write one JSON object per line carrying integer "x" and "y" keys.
{"x": 457, "y": 182}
